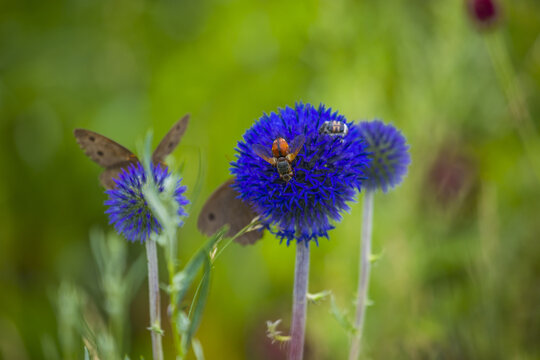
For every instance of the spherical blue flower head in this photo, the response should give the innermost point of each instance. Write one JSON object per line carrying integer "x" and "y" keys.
{"x": 328, "y": 171}
{"x": 389, "y": 155}
{"x": 128, "y": 209}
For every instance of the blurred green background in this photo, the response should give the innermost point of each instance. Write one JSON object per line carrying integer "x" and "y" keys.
{"x": 459, "y": 276}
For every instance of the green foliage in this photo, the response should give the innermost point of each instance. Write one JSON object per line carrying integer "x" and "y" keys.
{"x": 79, "y": 317}
{"x": 317, "y": 297}
{"x": 341, "y": 317}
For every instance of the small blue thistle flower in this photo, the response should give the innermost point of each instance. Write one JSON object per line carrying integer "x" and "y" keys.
{"x": 328, "y": 171}
{"x": 389, "y": 155}
{"x": 128, "y": 209}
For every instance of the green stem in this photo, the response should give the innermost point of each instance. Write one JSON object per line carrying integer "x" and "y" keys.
{"x": 364, "y": 270}
{"x": 517, "y": 104}
{"x": 173, "y": 299}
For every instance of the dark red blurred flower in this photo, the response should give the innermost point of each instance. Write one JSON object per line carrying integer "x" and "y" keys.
{"x": 484, "y": 12}
{"x": 450, "y": 176}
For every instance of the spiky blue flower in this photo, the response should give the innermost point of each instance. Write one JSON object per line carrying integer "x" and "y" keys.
{"x": 327, "y": 172}
{"x": 389, "y": 155}
{"x": 128, "y": 209}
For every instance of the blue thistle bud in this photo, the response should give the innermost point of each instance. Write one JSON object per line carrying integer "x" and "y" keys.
{"x": 326, "y": 173}
{"x": 389, "y": 155}
{"x": 128, "y": 209}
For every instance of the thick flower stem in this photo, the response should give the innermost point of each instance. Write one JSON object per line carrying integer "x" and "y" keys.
{"x": 298, "y": 325}
{"x": 153, "y": 291}
{"x": 363, "y": 283}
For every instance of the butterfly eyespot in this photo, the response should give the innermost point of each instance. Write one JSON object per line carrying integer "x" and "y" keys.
{"x": 92, "y": 138}
{"x": 100, "y": 153}
{"x": 171, "y": 145}
{"x": 211, "y": 217}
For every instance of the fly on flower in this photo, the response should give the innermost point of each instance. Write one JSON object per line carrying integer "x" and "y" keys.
{"x": 327, "y": 173}
{"x": 334, "y": 128}
{"x": 281, "y": 155}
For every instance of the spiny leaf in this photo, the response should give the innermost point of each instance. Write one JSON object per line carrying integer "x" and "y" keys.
{"x": 375, "y": 257}
{"x": 273, "y": 333}
{"x": 341, "y": 317}
{"x": 317, "y": 297}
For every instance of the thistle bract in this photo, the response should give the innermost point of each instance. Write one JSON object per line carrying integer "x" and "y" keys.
{"x": 389, "y": 155}
{"x": 328, "y": 171}
{"x": 127, "y": 206}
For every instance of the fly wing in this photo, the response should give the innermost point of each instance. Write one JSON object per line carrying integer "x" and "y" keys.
{"x": 264, "y": 152}
{"x": 170, "y": 140}
{"x": 102, "y": 150}
{"x": 224, "y": 207}
{"x": 296, "y": 146}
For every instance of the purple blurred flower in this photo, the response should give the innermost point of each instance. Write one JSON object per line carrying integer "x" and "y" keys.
{"x": 483, "y": 12}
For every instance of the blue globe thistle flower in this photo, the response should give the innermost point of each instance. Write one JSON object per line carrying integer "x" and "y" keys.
{"x": 128, "y": 209}
{"x": 389, "y": 155}
{"x": 328, "y": 171}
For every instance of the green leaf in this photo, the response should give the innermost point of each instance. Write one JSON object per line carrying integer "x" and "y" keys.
{"x": 184, "y": 279}
{"x": 197, "y": 349}
{"x": 135, "y": 276}
{"x": 97, "y": 244}
{"x": 182, "y": 322}
{"x": 273, "y": 333}
{"x": 199, "y": 302}
{"x": 317, "y": 297}
{"x": 341, "y": 317}
{"x": 146, "y": 153}
{"x": 376, "y": 257}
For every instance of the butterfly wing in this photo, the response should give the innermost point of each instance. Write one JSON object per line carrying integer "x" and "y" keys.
{"x": 106, "y": 153}
{"x": 102, "y": 150}
{"x": 170, "y": 140}
{"x": 264, "y": 152}
{"x": 106, "y": 178}
{"x": 224, "y": 207}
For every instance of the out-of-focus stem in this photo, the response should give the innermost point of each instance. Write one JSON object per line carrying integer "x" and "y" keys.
{"x": 298, "y": 325}
{"x": 517, "y": 104}
{"x": 364, "y": 268}
{"x": 173, "y": 313}
{"x": 170, "y": 251}
{"x": 153, "y": 291}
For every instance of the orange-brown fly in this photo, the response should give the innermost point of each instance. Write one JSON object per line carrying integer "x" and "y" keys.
{"x": 282, "y": 155}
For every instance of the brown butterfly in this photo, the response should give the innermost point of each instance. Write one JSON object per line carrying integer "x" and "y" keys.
{"x": 224, "y": 207}
{"x": 114, "y": 157}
